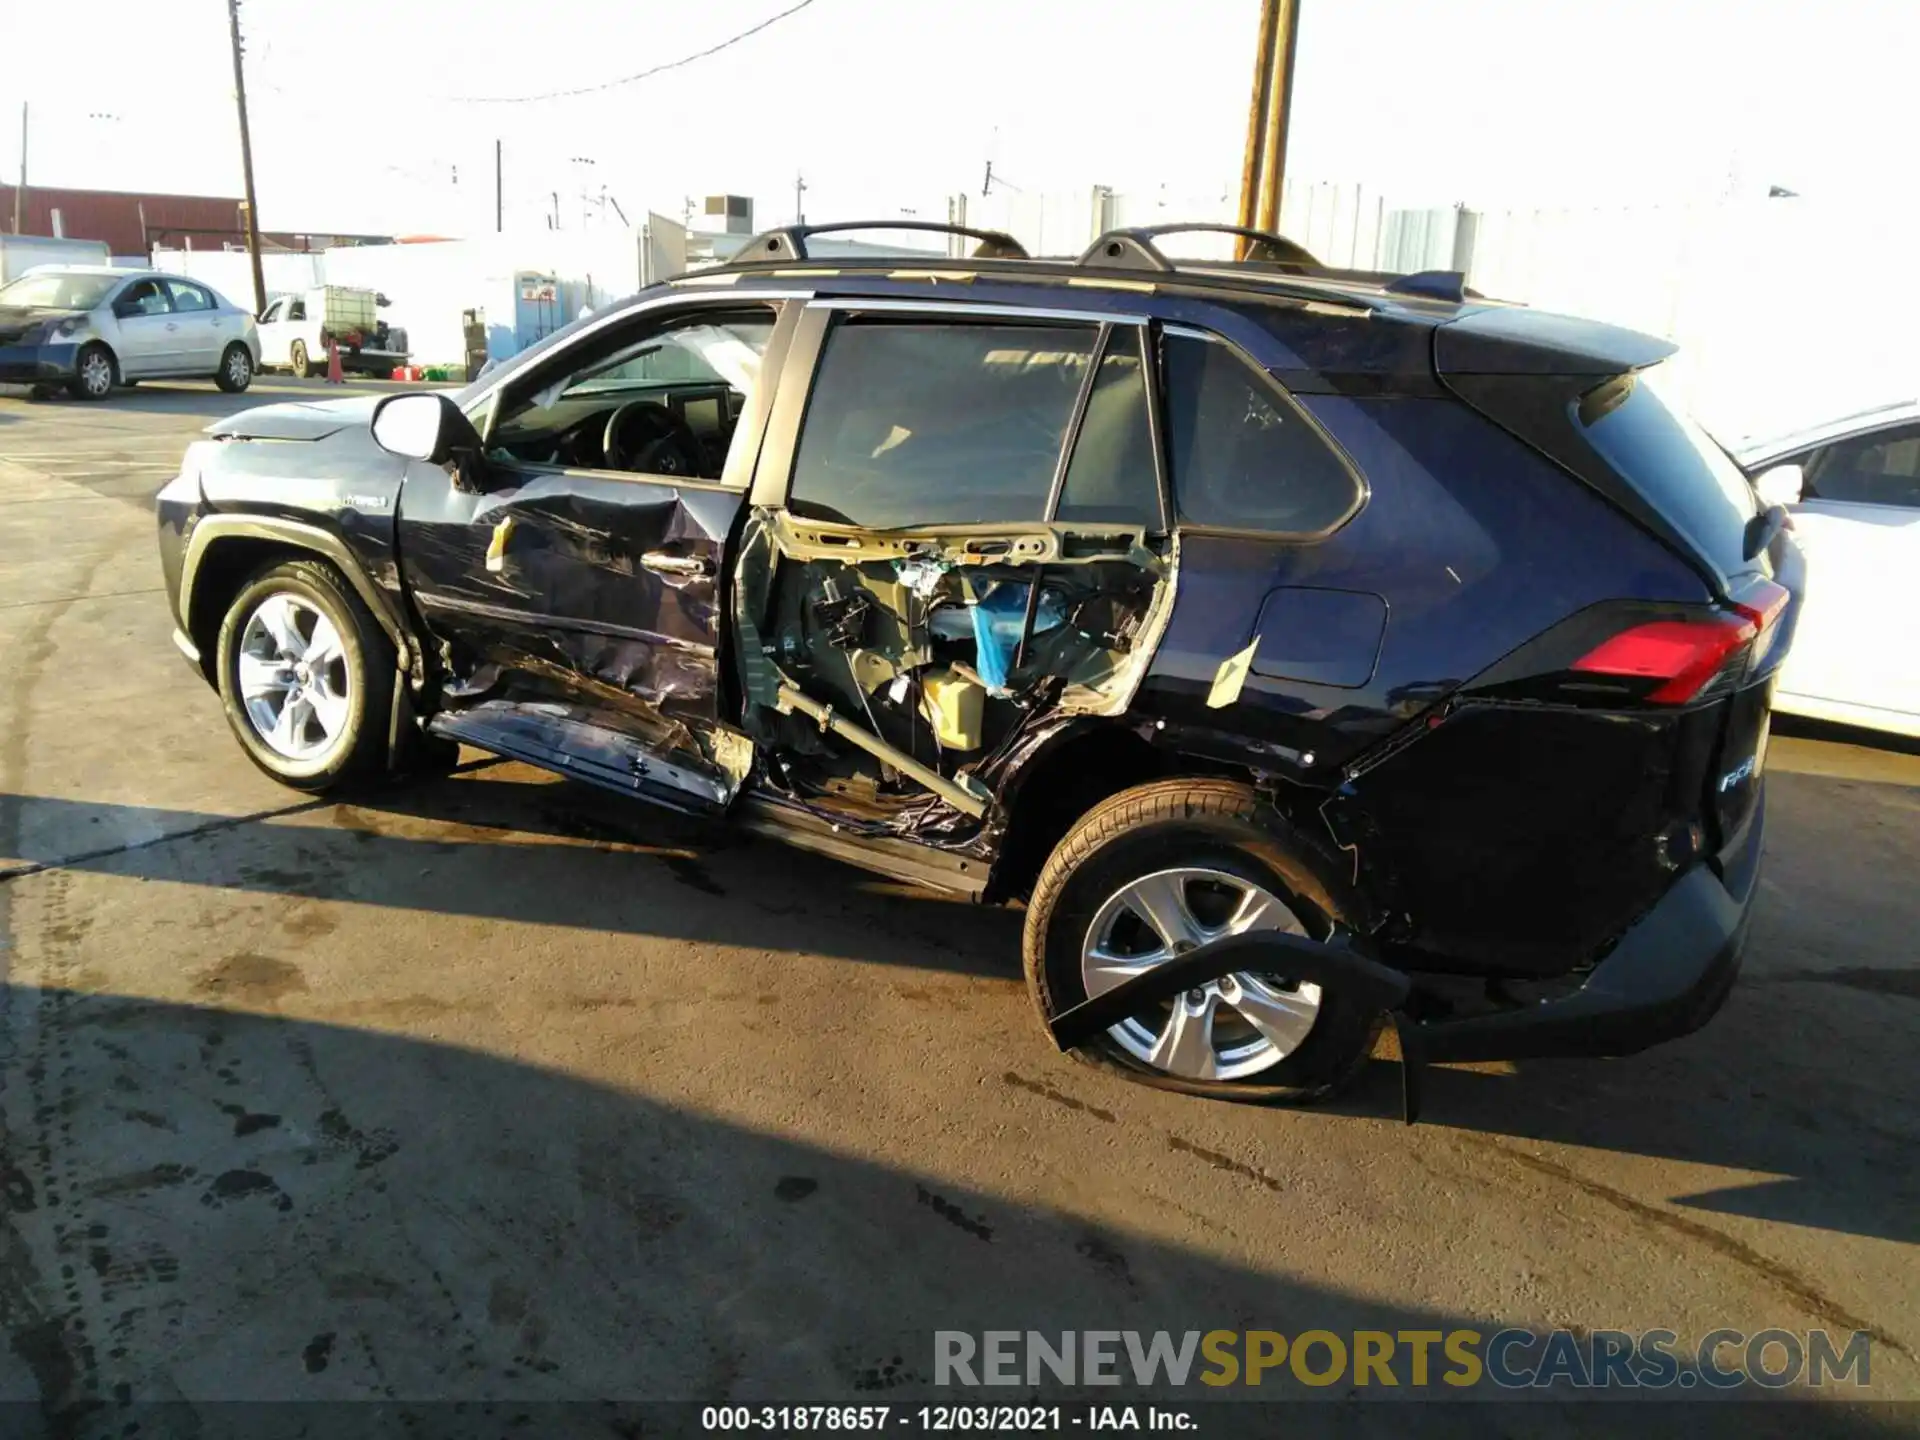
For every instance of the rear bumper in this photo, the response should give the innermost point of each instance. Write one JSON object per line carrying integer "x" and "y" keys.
{"x": 36, "y": 364}
{"x": 1666, "y": 977}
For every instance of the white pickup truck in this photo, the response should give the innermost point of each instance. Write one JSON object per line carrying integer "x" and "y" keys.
{"x": 295, "y": 330}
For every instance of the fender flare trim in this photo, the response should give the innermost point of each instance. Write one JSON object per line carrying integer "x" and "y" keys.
{"x": 212, "y": 529}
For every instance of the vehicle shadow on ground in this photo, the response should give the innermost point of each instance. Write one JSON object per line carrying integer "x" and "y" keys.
{"x": 532, "y": 852}
{"x": 216, "y": 1205}
{"x": 1799, "y": 1078}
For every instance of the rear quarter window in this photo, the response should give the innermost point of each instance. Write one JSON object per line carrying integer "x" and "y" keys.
{"x": 1672, "y": 463}
{"x": 1244, "y": 456}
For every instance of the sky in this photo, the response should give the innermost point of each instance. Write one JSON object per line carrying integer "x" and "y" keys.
{"x": 368, "y": 115}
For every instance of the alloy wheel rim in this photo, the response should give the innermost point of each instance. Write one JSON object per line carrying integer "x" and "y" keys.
{"x": 96, "y": 374}
{"x": 238, "y": 367}
{"x": 292, "y": 674}
{"x": 1226, "y": 1029}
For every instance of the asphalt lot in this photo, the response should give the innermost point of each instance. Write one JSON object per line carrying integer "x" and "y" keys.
{"x": 488, "y": 1090}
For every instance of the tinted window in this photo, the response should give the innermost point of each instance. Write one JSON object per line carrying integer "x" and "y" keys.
{"x": 1111, "y": 479}
{"x": 1878, "y": 469}
{"x": 1243, "y": 457}
{"x": 189, "y": 297}
{"x": 272, "y": 312}
{"x": 917, "y": 423}
{"x": 1671, "y": 462}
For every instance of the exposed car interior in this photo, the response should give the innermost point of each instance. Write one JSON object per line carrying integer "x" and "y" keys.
{"x": 665, "y": 404}
{"x": 915, "y": 588}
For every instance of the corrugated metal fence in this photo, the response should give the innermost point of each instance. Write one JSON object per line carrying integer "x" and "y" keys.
{"x": 1786, "y": 310}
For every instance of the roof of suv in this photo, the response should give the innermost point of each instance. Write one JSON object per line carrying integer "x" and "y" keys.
{"x": 1484, "y": 336}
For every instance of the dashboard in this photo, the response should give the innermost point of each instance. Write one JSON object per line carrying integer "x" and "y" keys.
{"x": 572, "y": 430}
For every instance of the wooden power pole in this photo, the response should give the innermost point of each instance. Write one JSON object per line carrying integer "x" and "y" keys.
{"x": 246, "y": 160}
{"x": 1264, "y": 172}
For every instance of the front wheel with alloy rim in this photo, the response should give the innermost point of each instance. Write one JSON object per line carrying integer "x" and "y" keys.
{"x": 306, "y": 676}
{"x": 236, "y": 369}
{"x": 93, "y": 373}
{"x": 1162, "y": 868}
{"x": 297, "y": 360}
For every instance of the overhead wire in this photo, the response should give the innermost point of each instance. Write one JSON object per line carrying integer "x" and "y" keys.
{"x": 615, "y": 84}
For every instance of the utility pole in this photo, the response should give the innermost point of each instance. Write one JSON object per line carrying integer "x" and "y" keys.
{"x": 246, "y": 161}
{"x": 499, "y": 210}
{"x": 20, "y": 190}
{"x": 799, "y": 207}
{"x": 1264, "y": 171}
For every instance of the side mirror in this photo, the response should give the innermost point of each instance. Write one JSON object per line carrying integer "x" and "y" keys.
{"x": 1780, "y": 485}
{"x": 426, "y": 426}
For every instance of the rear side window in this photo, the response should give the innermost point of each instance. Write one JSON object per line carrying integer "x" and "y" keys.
{"x": 188, "y": 297}
{"x": 932, "y": 423}
{"x": 1243, "y": 457}
{"x": 1878, "y": 469}
{"x": 1111, "y": 478}
{"x": 1673, "y": 464}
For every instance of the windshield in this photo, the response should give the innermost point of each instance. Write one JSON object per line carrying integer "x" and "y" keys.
{"x": 725, "y": 350}
{"x": 58, "y": 290}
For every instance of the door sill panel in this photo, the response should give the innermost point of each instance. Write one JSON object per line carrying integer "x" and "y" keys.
{"x": 542, "y": 735}
{"x": 768, "y": 816}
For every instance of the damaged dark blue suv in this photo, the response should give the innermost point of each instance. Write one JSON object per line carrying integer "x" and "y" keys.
{"x": 1306, "y": 648}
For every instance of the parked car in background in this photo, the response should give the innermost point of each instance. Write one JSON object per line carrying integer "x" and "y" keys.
{"x": 21, "y": 253}
{"x": 1852, "y": 487}
{"x": 91, "y": 327}
{"x": 1300, "y": 645}
{"x": 296, "y": 329}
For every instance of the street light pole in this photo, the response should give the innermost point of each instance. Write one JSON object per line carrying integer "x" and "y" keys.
{"x": 246, "y": 161}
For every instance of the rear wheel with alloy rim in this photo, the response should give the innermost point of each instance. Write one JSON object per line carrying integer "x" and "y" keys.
{"x": 1160, "y": 869}
{"x": 93, "y": 373}
{"x": 306, "y": 675}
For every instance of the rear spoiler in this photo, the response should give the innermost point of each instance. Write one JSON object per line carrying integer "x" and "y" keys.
{"x": 1513, "y": 341}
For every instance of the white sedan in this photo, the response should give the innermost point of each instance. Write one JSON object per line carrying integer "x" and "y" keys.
{"x": 1852, "y": 488}
{"x": 90, "y": 327}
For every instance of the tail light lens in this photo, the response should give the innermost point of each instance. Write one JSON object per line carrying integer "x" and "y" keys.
{"x": 1686, "y": 657}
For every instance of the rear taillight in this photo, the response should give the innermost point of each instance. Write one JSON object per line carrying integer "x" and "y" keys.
{"x": 1684, "y": 658}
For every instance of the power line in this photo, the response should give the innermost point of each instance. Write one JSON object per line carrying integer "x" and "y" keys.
{"x": 626, "y": 79}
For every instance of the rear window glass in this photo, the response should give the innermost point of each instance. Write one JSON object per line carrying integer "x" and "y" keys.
{"x": 1673, "y": 464}
{"x": 1243, "y": 457}
{"x": 913, "y": 424}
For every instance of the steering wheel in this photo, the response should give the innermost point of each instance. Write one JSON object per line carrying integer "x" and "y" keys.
{"x": 645, "y": 436}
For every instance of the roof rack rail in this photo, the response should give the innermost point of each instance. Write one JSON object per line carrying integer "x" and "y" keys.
{"x": 1132, "y": 248}
{"x": 789, "y": 242}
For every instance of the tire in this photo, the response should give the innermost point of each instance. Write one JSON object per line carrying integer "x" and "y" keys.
{"x": 1210, "y": 841}
{"x": 297, "y": 360}
{"x": 236, "y": 369}
{"x": 94, "y": 373}
{"x": 355, "y": 693}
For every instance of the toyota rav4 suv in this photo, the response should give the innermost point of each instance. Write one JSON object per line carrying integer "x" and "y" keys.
{"x": 1307, "y": 649}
